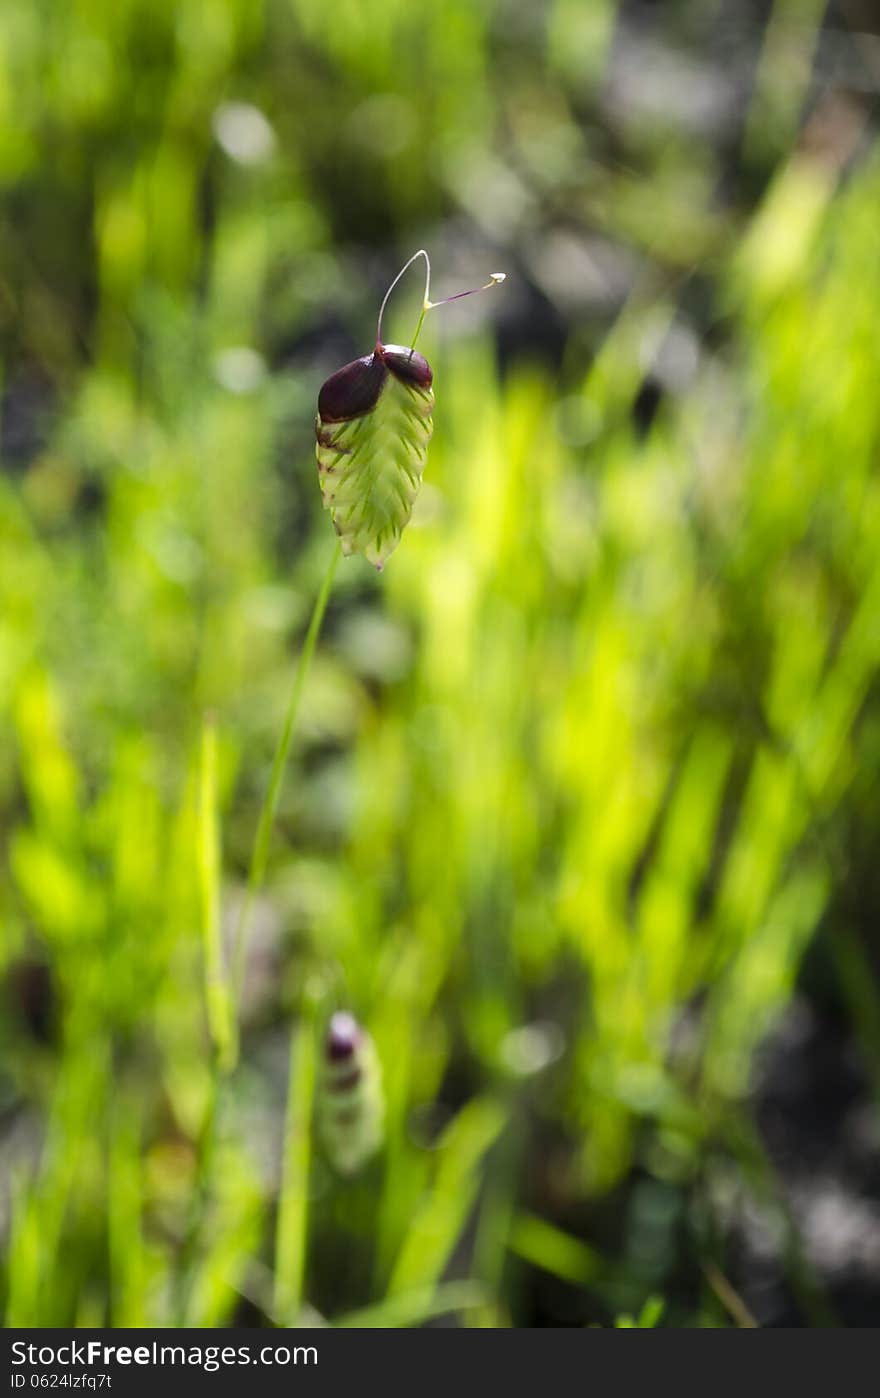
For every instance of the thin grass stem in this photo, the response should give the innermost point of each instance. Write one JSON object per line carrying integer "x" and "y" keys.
{"x": 262, "y": 841}
{"x": 222, "y": 998}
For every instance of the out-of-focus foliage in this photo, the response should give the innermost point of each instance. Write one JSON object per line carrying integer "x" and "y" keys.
{"x": 585, "y": 783}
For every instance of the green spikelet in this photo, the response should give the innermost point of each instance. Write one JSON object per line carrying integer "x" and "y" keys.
{"x": 373, "y": 427}
{"x": 350, "y": 1104}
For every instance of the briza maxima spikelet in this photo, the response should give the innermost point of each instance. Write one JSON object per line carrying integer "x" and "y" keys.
{"x": 373, "y": 426}
{"x": 350, "y": 1104}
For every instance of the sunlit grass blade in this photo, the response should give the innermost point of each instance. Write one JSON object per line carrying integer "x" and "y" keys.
{"x": 542, "y": 1244}
{"x": 291, "y": 1234}
{"x": 218, "y": 992}
{"x": 437, "y": 1224}
{"x": 125, "y": 1220}
{"x": 416, "y": 1307}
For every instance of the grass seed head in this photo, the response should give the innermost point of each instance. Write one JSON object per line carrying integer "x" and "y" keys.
{"x": 350, "y": 1100}
{"x": 372, "y": 429}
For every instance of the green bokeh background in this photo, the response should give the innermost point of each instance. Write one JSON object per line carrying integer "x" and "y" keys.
{"x": 583, "y": 810}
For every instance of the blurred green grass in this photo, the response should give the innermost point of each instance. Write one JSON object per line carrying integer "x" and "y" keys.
{"x": 576, "y": 780}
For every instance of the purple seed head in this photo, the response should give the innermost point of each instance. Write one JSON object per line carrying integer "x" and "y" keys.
{"x": 407, "y": 365}
{"x": 343, "y": 1037}
{"x": 353, "y": 390}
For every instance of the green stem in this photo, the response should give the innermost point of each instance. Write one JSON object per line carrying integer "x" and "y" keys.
{"x": 426, "y": 299}
{"x": 223, "y": 1062}
{"x": 425, "y": 309}
{"x": 262, "y": 841}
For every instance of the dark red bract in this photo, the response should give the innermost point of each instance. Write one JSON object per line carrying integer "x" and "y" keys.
{"x": 407, "y": 365}
{"x": 354, "y": 389}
